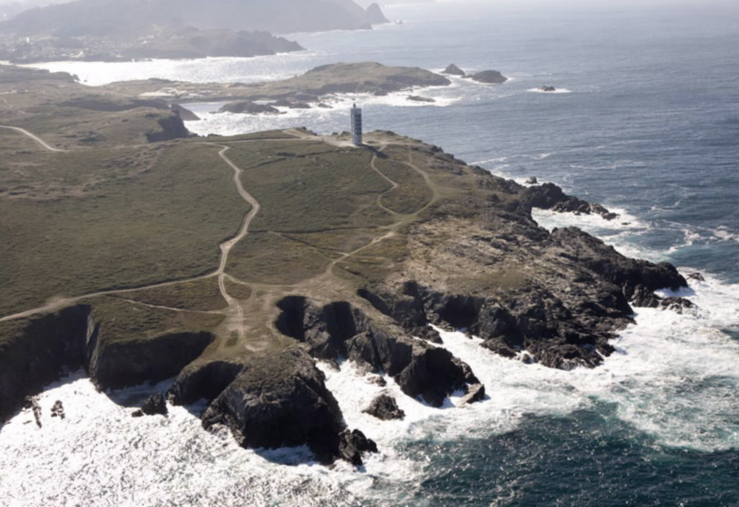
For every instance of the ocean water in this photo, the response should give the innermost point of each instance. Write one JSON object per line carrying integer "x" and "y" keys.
{"x": 647, "y": 124}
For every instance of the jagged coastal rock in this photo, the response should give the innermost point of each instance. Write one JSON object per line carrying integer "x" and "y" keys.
{"x": 46, "y": 347}
{"x": 183, "y": 113}
{"x": 58, "y": 410}
{"x": 453, "y": 70}
{"x": 248, "y": 107}
{"x": 470, "y": 257}
{"x": 353, "y": 444}
{"x": 154, "y": 405}
{"x": 170, "y": 128}
{"x": 489, "y": 77}
{"x": 417, "y": 98}
{"x": 290, "y": 104}
{"x": 38, "y": 353}
{"x": 268, "y": 407}
{"x": 551, "y": 196}
{"x": 385, "y": 408}
{"x": 340, "y": 330}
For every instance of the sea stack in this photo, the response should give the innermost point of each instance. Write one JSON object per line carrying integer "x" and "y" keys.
{"x": 453, "y": 70}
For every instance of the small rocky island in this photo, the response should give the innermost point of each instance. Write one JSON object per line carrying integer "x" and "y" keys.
{"x": 315, "y": 88}
{"x": 275, "y": 252}
{"x": 485, "y": 77}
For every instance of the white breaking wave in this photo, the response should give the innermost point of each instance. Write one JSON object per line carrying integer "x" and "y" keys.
{"x": 558, "y": 91}
{"x": 673, "y": 377}
{"x": 336, "y": 115}
{"x": 619, "y": 233}
{"x": 101, "y": 456}
{"x": 724, "y": 234}
{"x": 205, "y": 70}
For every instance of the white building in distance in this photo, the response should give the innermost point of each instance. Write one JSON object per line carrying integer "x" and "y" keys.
{"x": 357, "y": 125}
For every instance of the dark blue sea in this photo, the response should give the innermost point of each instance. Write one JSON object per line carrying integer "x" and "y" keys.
{"x": 645, "y": 121}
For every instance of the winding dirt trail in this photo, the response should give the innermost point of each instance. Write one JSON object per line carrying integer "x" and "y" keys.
{"x": 60, "y": 303}
{"x": 236, "y": 308}
{"x": 226, "y": 247}
{"x": 236, "y": 311}
{"x": 401, "y": 219}
{"x": 394, "y": 185}
{"x": 36, "y": 138}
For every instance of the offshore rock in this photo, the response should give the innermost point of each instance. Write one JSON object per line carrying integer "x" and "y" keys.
{"x": 678, "y": 305}
{"x": 453, "y": 70}
{"x": 477, "y": 393}
{"x": 154, "y": 405}
{"x": 353, "y": 444}
{"x": 58, "y": 410}
{"x": 248, "y": 107}
{"x": 385, "y": 408}
{"x": 489, "y": 77}
{"x": 697, "y": 277}
{"x": 418, "y": 98}
{"x": 31, "y": 403}
{"x": 550, "y": 196}
{"x": 290, "y": 104}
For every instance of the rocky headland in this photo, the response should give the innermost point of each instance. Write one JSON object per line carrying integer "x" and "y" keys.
{"x": 316, "y": 86}
{"x": 174, "y": 43}
{"x": 90, "y": 30}
{"x": 278, "y": 251}
{"x": 447, "y": 244}
{"x": 315, "y": 89}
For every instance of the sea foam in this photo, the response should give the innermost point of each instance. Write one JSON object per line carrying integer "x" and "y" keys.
{"x": 674, "y": 377}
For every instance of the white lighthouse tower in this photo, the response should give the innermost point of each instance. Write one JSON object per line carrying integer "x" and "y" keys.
{"x": 357, "y": 125}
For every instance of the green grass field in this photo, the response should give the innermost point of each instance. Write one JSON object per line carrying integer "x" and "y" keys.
{"x": 122, "y": 321}
{"x": 269, "y": 258}
{"x": 163, "y": 223}
{"x": 310, "y": 187}
{"x": 197, "y": 296}
{"x": 412, "y": 193}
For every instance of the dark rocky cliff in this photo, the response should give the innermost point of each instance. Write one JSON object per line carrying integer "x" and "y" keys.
{"x": 39, "y": 351}
{"x": 124, "y": 364}
{"x": 472, "y": 259}
{"x": 338, "y": 330}
{"x": 170, "y": 128}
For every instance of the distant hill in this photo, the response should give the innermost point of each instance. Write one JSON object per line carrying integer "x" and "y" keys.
{"x": 131, "y": 17}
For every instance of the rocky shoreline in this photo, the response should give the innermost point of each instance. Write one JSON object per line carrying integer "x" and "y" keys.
{"x": 556, "y": 299}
